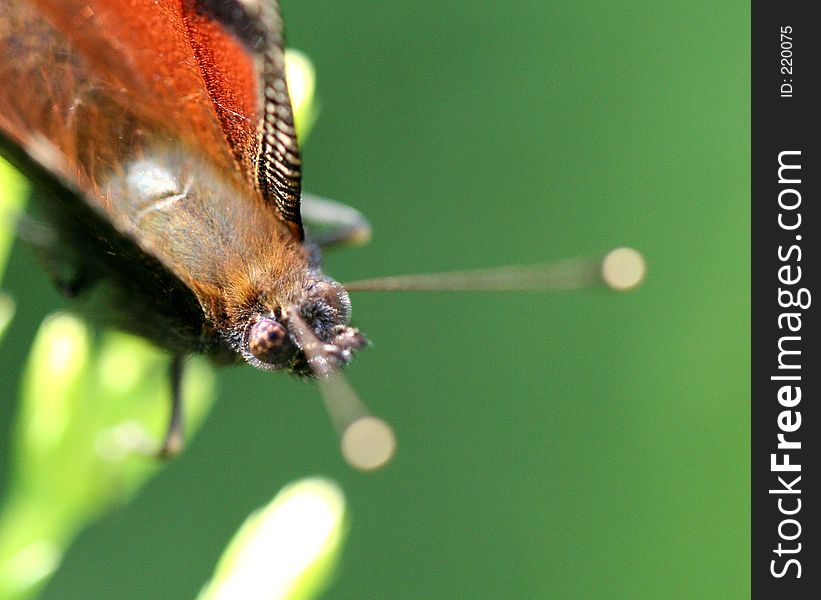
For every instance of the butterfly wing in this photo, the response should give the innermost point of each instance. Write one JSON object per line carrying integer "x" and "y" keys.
{"x": 101, "y": 76}
{"x": 251, "y": 96}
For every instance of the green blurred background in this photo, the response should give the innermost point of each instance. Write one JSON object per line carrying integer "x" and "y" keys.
{"x": 581, "y": 445}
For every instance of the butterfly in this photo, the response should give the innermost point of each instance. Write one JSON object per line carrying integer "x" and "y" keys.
{"x": 160, "y": 137}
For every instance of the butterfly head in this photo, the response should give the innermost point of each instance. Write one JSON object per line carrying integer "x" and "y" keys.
{"x": 308, "y": 336}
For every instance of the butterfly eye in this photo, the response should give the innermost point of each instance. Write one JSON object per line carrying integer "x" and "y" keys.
{"x": 268, "y": 340}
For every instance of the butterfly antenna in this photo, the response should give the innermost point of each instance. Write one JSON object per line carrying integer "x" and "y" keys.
{"x": 367, "y": 442}
{"x": 621, "y": 269}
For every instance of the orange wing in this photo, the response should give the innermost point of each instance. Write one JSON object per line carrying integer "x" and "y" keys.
{"x": 252, "y": 101}
{"x": 205, "y": 74}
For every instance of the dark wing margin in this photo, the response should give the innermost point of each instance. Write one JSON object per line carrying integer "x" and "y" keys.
{"x": 264, "y": 141}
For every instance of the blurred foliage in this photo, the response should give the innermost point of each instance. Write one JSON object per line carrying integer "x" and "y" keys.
{"x": 87, "y": 427}
{"x": 12, "y": 191}
{"x": 286, "y": 550}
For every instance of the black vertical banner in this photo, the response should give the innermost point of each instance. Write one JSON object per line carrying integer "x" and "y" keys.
{"x": 786, "y": 267}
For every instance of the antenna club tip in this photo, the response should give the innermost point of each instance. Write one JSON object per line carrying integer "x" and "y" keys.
{"x": 361, "y": 236}
{"x": 623, "y": 269}
{"x": 368, "y": 443}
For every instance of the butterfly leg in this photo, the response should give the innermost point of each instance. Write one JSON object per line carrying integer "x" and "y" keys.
{"x": 339, "y": 224}
{"x": 174, "y": 436}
